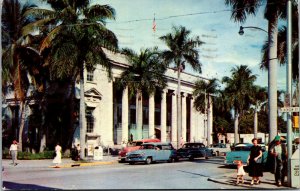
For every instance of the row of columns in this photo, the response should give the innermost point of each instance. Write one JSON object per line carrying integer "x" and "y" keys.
{"x": 163, "y": 125}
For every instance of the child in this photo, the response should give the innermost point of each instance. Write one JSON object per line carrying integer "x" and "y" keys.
{"x": 240, "y": 171}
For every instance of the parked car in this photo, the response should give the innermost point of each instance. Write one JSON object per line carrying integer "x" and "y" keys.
{"x": 241, "y": 152}
{"x": 194, "y": 150}
{"x": 152, "y": 152}
{"x": 219, "y": 149}
{"x": 133, "y": 146}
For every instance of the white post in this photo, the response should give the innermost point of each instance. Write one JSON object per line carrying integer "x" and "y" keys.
{"x": 192, "y": 121}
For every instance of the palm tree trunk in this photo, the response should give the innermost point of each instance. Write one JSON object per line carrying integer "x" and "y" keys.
{"x": 255, "y": 122}
{"x": 178, "y": 108}
{"x": 272, "y": 75}
{"x": 22, "y": 123}
{"x": 236, "y": 127}
{"x": 82, "y": 124}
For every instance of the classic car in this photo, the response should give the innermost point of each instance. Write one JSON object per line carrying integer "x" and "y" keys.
{"x": 133, "y": 146}
{"x": 219, "y": 149}
{"x": 194, "y": 150}
{"x": 241, "y": 152}
{"x": 152, "y": 152}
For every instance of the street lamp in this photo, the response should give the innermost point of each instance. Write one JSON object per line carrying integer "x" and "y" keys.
{"x": 241, "y": 31}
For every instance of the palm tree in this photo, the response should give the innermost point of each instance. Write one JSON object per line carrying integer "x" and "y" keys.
{"x": 18, "y": 55}
{"x": 146, "y": 74}
{"x": 238, "y": 89}
{"x": 182, "y": 49}
{"x": 75, "y": 39}
{"x": 203, "y": 90}
{"x": 273, "y": 11}
{"x": 260, "y": 98}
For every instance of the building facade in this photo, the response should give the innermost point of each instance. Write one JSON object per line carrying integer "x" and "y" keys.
{"x": 111, "y": 114}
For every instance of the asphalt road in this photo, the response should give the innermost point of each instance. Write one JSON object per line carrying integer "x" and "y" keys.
{"x": 178, "y": 175}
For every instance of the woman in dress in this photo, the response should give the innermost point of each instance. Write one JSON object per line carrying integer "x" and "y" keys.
{"x": 57, "y": 158}
{"x": 254, "y": 162}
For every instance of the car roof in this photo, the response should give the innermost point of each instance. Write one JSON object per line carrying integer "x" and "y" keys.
{"x": 243, "y": 145}
{"x": 147, "y": 140}
{"x": 156, "y": 143}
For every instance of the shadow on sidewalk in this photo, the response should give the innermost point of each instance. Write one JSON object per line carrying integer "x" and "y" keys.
{"x": 18, "y": 186}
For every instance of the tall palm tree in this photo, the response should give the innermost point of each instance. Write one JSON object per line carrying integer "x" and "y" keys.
{"x": 18, "y": 55}
{"x": 274, "y": 10}
{"x": 146, "y": 74}
{"x": 238, "y": 90}
{"x": 260, "y": 98}
{"x": 203, "y": 99}
{"x": 182, "y": 49}
{"x": 76, "y": 36}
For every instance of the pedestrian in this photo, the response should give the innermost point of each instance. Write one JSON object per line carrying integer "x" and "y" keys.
{"x": 254, "y": 162}
{"x": 13, "y": 150}
{"x": 57, "y": 158}
{"x": 181, "y": 142}
{"x": 240, "y": 171}
{"x": 278, "y": 152}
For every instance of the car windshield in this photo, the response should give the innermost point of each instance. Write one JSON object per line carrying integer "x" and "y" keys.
{"x": 135, "y": 143}
{"x": 147, "y": 147}
{"x": 192, "y": 146}
{"x": 242, "y": 148}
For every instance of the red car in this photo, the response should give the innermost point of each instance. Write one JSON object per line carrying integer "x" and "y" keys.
{"x": 133, "y": 146}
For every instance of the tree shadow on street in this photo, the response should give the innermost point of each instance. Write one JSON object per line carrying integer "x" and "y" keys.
{"x": 20, "y": 186}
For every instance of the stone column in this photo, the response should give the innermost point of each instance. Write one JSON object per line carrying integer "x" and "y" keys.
{"x": 192, "y": 120}
{"x": 163, "y": 117}
{"x": 174, "y": 121}
{"x": 139, "y": 117}
{"x": 125, "y": 115}
{"x": 151, "y": 116}
{"x": 183, "y": 109}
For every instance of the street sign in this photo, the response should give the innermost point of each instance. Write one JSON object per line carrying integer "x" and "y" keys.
{"x": 289, "y": 109}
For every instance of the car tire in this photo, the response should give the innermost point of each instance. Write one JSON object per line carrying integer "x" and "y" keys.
{"x": 191, "y": 158}
{"x": 217, "y": 153}
{"x": 171, "y": 160}
{"x": 148, "y": 160}
{"x": 131, "y": 163}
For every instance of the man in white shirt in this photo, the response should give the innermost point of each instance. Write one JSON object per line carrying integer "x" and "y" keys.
{"x": 13, "y": 150}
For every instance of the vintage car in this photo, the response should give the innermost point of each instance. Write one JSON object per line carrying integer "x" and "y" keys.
{"x": 194, "y": 150}
{"x": 241, "y": 152}
{"x": 219, "y": 149}
{"x": 133, "y": 146}
{"x": 152, "y": 152}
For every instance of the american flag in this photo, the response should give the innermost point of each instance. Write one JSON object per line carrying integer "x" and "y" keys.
{"x": 154, "y": 25}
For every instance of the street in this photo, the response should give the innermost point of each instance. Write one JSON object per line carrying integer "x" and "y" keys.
{"x": 179, "y": 175}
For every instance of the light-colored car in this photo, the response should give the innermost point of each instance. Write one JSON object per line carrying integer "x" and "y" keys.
{"x": 241, "y": 152}
{"x": 133, "y": 146}
{"x": 219, "y": 149}
{"x": 152, "y": 152}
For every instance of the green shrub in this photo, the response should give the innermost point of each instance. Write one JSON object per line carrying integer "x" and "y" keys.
{"x": 30, "y": 156}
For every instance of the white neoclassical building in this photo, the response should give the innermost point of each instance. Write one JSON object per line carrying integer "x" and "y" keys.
{"x": 111, "y": 114}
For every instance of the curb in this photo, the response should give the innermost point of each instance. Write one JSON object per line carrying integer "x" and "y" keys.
{"x": 225, "y": 181}
{"x": 81, "y": 164}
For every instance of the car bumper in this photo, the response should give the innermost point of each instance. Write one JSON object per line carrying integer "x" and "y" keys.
{"x": 135, "y": 159}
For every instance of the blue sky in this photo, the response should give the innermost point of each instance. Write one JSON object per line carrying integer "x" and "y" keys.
{"x": 208, "y": 19}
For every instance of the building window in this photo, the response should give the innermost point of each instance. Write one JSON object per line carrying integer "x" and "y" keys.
{"x": 90, "y": 76}
{"x": 89, "y": 120}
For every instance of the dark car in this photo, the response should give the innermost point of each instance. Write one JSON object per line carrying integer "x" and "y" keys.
{"x": 194, "y": 150}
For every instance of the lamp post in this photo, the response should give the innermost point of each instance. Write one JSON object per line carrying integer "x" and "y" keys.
{"x": 272, "y": 77}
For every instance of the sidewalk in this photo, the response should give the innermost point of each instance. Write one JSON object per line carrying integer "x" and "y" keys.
{"x": 66, "y": 163}
{"x": 267, "y": 182}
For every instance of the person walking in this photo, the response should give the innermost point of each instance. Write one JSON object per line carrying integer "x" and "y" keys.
{"x": 57, "y": 158}
{"x": 13, "y": 150}
{"x": 254, "y": 162}
{"x": 278, "y": 152}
